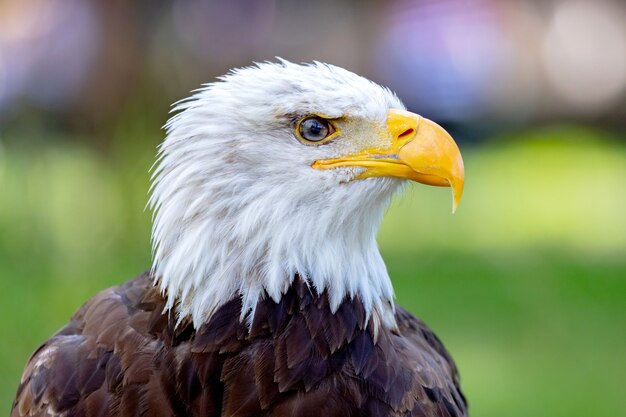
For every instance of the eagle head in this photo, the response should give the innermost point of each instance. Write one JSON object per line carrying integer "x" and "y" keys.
{"x": 281, "y": 170}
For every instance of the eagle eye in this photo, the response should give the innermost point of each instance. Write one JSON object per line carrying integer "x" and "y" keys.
{"x": 314, "y": 129}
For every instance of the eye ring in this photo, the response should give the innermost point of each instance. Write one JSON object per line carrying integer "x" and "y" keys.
{"x": 315, "y": 130}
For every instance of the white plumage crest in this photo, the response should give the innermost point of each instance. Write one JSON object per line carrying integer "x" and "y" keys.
{"x": 238, "y": 210}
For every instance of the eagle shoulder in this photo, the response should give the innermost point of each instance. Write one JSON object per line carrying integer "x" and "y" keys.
{"x": 102, "y": 362}
{"x": 435, "y": 373}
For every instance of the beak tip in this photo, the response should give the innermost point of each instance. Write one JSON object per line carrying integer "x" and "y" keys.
{"x": 457, "y": 193}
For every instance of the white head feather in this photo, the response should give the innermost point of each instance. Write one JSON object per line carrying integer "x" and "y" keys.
{"x": 239, "y": 211}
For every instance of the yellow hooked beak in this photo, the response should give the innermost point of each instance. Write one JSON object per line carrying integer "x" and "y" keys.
{"x": 420, "y": 150}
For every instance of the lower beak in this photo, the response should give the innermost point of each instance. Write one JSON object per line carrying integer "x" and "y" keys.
{"x": 420, "y": 150}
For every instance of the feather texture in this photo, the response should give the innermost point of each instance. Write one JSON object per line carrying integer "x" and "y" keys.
{"x": 120, "y": 355}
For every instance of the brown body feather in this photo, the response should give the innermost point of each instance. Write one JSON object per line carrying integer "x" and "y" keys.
{"x": 120, "y": 355}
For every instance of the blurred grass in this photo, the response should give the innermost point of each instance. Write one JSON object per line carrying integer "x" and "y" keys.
{"x": 526, "y": 284}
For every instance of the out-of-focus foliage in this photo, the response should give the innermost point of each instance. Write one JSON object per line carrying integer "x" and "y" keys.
{"x": 525, "y": 284}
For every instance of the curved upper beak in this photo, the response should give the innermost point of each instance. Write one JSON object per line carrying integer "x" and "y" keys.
{"x": 420, "y": 150}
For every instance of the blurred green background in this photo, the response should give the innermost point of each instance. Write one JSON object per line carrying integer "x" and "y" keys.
{"x": 525, "y": 284}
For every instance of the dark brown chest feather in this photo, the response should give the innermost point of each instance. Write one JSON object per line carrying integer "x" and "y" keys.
{"x": 122, "y": 356}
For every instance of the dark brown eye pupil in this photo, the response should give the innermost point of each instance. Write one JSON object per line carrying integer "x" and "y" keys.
{"x": 314, "y": 129}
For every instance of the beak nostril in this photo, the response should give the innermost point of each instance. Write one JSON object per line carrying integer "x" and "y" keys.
{"x": 406, "y": 133}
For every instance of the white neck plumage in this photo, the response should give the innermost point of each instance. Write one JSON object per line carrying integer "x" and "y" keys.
{"x": 207, "y": 252}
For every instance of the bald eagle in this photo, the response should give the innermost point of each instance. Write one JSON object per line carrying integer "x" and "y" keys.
{"x": 268, "y": 295}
